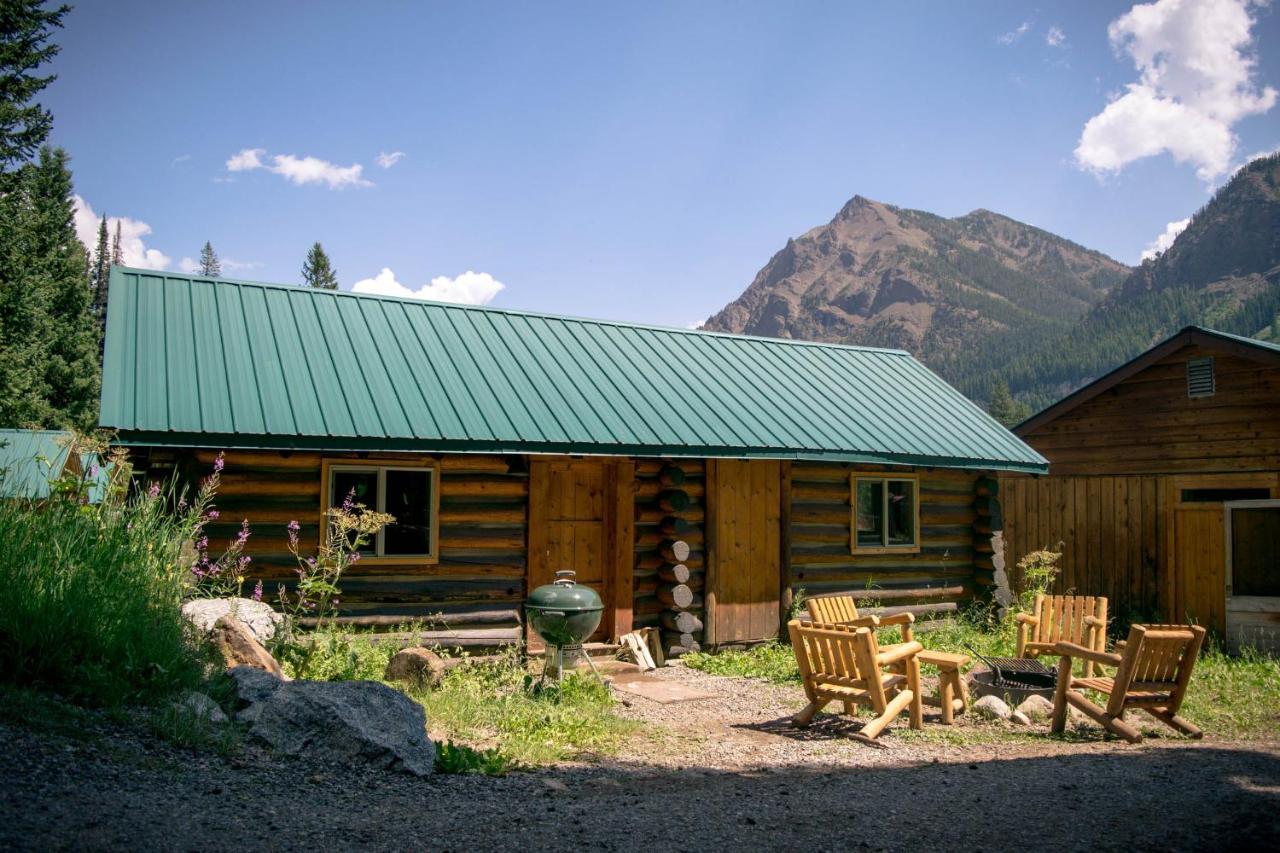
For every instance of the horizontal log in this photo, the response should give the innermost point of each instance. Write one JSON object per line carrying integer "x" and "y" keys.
{"x": 505, "y": 487}
{"x": 652, "y": 539}
{"x": 675, "y": 550}
{"x": 671, "y": 475}
{"x": 673, "y": 525}
{"x": 653, "y": 562}
{"x": 674, "y": 573}
{"x": 652, "y": 514}
{"x": 988, "y": 486}
{"x": 678, "y": 595}
{"x": 464, "y": 513}
{"x": 683, "y": 640}
{"x": 682, "y": 621}
{"x": 500, "y": 619}
{"x": 673, "y": 500}
{"x": 674, "y": 651}
{"x": 652, "y": 490}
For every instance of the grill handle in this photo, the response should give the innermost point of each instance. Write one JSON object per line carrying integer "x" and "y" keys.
{"x": 557, "y": 613}
{"x": 565, "y": 577}
{"x": 990, "y": 663}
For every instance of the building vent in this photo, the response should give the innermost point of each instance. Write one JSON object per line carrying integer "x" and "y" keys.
{"x": 1200, "y": 377}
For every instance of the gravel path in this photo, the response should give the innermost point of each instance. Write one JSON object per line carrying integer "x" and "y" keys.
{"x": 723, "y": 773}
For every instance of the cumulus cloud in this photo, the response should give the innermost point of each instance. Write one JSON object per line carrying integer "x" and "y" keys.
{"x": 300, "y": 170}
{"x": 134, "y": 251}
{"x": 470, "y": 288}
{"x": 1196, "y": 80}
{"x": 1014, "y": 34}
{"x": 1055, "y": 37}
{"x": 246, "y": 159}
{"x": 386, "y": 160}
{"x": 1165, "y": 240}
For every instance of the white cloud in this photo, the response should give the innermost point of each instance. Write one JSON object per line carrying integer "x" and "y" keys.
{"x": 133, "y": 250}
{"x": 1165, "y": 240}
{"x": 470, "y": 288}
{"x": 386, "y": 160}
{"x": 188, "y": 265}
{"x": 1196, "y": 80}
{"x": 1014, "y": 34}
{"x": 300, "y": 170}
{"x": 695, "y": 325}
{"x": 248, "y": 158}
{"x": 191, "y": 265}
{"x": 181, "y": 158}
{"x": 1055, "y": 37}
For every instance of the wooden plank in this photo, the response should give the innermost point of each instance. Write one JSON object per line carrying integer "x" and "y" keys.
{"x": 711, "y": 531}
{"x": 623, "y": 545}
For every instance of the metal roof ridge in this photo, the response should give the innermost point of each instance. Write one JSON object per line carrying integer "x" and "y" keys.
{"x": 510, "y": 311}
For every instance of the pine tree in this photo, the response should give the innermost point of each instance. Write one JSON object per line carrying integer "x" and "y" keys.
{"x": 117, "y": 256}
{"x": 24, "y": 47}
{"x": 1004, "y": 408}
{"x": 100, "y": 270}
{"x": 209, "y": 264}
{"x": 317, "y": 271}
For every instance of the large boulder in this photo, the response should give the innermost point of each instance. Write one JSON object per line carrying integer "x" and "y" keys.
{"x": 337, "y": 721}
{"x": 240, "y": 648}
{"x": 259, "y": 618}
{"x": 417, "y": 666}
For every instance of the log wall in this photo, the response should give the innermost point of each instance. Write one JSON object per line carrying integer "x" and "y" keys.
{"x": 943, "y": 577}
{"x": 670, "y": 508}
{"x": 471, "y": 597}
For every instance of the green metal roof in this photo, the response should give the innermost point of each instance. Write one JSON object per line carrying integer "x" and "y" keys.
{"x": 220, "y": 363}
{"x": 29, "y": 459}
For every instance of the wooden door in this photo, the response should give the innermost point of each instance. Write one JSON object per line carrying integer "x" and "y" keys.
{"x": 580, "y": 518}
{"x": 744, "y": 573}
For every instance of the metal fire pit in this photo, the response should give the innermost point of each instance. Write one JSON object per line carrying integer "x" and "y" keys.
{"x": 1013, "y": 679}
{"x": 564, "y": 615}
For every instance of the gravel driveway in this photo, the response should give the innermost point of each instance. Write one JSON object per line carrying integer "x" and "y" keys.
{"x": 721, "y": 774}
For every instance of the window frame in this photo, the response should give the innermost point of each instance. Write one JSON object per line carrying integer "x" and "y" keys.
{"x": 885, "y": 478}
{"x": 330, "y": 466}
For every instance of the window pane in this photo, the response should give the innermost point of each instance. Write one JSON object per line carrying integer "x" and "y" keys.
{"x": 870, "y": 513}
{"x": 360, "y": 487}
{"x": 902, "y": 512}
{"x": 409, "y": 500}
{"x": 1255, "y": 551}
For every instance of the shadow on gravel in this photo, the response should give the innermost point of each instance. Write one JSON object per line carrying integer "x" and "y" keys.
{"x": 1167, "y": 797}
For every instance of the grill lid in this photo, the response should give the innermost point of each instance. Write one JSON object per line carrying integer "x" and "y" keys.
{"x": 565, "y": 595}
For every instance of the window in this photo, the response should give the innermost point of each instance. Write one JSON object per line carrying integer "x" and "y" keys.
{"x": 885, "y": 513}
{"x": 408, "y": 493}
{"x": 1213, "y": 496}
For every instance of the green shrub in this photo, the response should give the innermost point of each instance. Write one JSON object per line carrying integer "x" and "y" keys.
{"x": 460, "y": 758}
{"x": 328, "y": 654}
{"x": 90, "y": 601}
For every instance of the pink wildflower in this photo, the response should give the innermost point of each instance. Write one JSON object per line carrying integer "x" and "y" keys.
{"x": 219, "y": 463}
{"x": 213, "y": 515}
{"x": 154, "y": 491}
{"x": 257, "y": 591}
{"x": 243, "y": 536}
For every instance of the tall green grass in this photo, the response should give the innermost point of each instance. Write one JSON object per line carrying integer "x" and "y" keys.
{"x": 90, "y": 601}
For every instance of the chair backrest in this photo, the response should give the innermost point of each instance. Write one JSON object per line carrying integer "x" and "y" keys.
{"x": 832, "y": 653}
{"x": 832, "y": 609}
{"x": 1061, "y": 618}
{"x": 1159, "y": 658}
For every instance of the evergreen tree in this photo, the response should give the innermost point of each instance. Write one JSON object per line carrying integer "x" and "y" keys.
{"x": 117, "y": 256}
{"x": 1004, "y": 408}
{"x": 100, "y": 270}
{"x": 209, "y": 264}
{"x": 25, "y": 29}
{"x": 317, "y": 271}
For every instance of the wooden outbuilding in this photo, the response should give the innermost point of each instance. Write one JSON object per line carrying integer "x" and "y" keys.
{"x": 696, "y": 480}
{"x": 1164, "y": 486}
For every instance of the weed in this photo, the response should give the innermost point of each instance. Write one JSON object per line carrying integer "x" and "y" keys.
{"x": 181, "y": 726}
{"x": 459, "y": 758}
{"x": 773, "y": 662}
{"x": 328, "y": 654}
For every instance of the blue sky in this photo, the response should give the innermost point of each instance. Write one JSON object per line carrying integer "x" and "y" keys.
{"x": 639, "y": 161}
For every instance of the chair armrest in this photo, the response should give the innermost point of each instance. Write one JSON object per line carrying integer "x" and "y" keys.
{"x": 1074, "y": 651}
{"x": 1028, "y": 619}
{"x": 871, "y": 622}
{"x": 902, "y": 651}
{"x": 897, "y": 619}
{"x": 1094, "y": 621}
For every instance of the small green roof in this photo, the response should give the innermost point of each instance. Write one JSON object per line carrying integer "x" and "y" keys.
{"x": 30, "y": 458}
{"x": 204, "y": 362}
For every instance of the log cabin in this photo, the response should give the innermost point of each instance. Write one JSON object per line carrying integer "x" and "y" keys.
{"x": 696, "y": 480}
{"x": 1164, "y": 486}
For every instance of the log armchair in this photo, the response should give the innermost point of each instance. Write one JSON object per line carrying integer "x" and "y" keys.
{"x": 1078, "y": 619}
{"x": 1152, "y": 673}
{"x": 846, "y": 665}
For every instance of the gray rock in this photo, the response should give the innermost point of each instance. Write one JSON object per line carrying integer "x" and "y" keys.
{"x": 343, "y": 721}
{"x": 1019, "y": 719}
{"x": 253, "y": 688}
{"x": 201, "y": 706}
{"x": 259, "y": 618}
{"x": 991, "y": 708}
{"x": 417, "y": 666}
{"x": 1037, "y": 708}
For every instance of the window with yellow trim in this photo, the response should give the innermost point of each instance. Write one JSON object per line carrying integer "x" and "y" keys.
{"x": 408, "y": 493}
{"x": 886, "y": 513}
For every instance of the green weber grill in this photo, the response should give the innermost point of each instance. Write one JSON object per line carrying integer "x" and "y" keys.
{"x": 564, "y": 614}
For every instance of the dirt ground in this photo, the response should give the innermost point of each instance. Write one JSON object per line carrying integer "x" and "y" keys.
{"x": 725, "y": 772}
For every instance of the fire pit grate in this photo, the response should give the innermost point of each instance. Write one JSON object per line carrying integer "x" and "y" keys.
{"x": 1018, "y": 673}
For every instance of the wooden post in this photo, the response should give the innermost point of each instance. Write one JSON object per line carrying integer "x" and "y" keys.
{"x": 786, "y": 595}
{"x": 709, "y": 543}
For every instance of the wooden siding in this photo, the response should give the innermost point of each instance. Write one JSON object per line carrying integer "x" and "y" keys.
{"x": 1112, "y": 529}
{"x": 940, "y": 577}
{"x": 471, "y": 596}
{"x": 1148, "y": 425}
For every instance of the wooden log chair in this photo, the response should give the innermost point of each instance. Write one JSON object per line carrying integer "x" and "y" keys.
{"x": 953, "y": 696}
{"x": 1152, "y": 673}
{"x": 1078, "y": 619}
{"x": 847, "y": 665}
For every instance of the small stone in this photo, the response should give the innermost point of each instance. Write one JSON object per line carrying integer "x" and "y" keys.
{"x": 417, "y": 666}
{"x": 1019, "y": 719}
{"x": 201, "y": 706}
{"x": 992, "y": 708}
{"x": 1037, "y": 708}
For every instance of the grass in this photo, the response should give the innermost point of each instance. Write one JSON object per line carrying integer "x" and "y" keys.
{"x": 327, "y": 654}
{"x": 89, "y": 603}
{"x": 773, "y": 662}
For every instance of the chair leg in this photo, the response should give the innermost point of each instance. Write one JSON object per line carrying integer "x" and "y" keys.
{"x": 1059, "y": 722}
{"x": 961, "y": 689}
{"x": 1175, "y": 722}
{"x": 945, "y": 691}
{"x": 1113, "y": 724}
{"x": 895, "y": 706}
{"x": 805, "y": 717}
{"x": 917, "y": 700}
{"x": 848, "y": 708}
